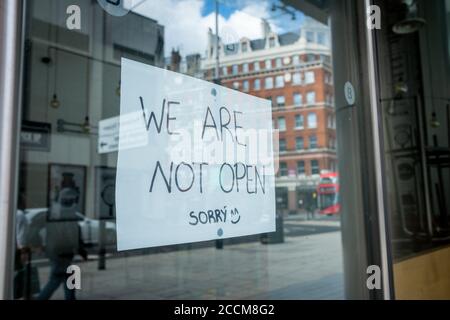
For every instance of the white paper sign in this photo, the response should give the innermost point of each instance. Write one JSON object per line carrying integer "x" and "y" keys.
{"x": 206, "y": 170}
{"x": 108, "y": 135}
{"x": 133, "y": 133}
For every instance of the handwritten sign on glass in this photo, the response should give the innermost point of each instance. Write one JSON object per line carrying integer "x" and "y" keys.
{"x": 205, "y": 169}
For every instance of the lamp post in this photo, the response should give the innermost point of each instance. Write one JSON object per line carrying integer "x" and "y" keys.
{"x": 217, "y": 69}
{"x": 219, "y": 242}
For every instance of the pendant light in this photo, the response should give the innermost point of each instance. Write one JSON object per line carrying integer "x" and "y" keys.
{"x": 55, "y": 103}
{"x": 411, "y": 22}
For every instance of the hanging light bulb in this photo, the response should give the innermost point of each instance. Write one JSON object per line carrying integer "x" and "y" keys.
{"x": 86, "y": 126}
{"x": 400, "y": 88}
{"x": 434, "y": 121}
{"x": 391, "y": 108}
{"x": 118, "y": 89}
{"x": 54, "y": 103}
{"x": 411, "y": 21}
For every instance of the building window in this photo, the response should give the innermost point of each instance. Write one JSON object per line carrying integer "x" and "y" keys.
{"x": 224, "y": 71}
{"x": 257, "y": 84}
{"x": 244, "y": 46}
{"x": 310, "y": 57}
{"x": 309, "y": 77}
{"x": 331, "y": 142}
{"x": 282, "y": 145}
{"x": 281, "y": 102}
{"x": 296, "y": 60}
{"x": 298, "y": 99}
{"x": 315, "y": 167}
{"x": 236, "y": 85}
{"x": 321, "y": 38}
{"x": 281, "y": 124}
{"x": 310, "y": 98}
{"x": 256, "y": 65}
{"x": 235, "y": 69}
{"x": 278, "y": 63}
{"x": 268, "y": 83}
{"x": 333, "y": 166}
{"x": 283, "y": 169}
{"x": 245, "y": 85}
{"x": 312, "y": 120}
{"x": 313, "y": 141}
{"x": 268, "y": 64}
{"x": 331, "y": 123}
{"x": 325, "y": 58}
{"x": 245, "y": 68}
{"x": 271, "y": 42}
{"x": 309, "y": 36}
{"x": 296, "y": 79}
{"x": 299, "y": 121}
{"x": 279, "y": 82}
{"x": 300, "y": 167}
{"x": 299, "y": 143}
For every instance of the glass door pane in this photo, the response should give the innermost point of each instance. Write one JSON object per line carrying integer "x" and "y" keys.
{"x": 69, "y": 149}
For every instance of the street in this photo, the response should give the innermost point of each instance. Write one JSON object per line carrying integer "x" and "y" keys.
{"x": 308, "y": 265}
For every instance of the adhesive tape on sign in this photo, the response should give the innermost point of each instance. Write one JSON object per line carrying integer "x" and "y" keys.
{"x": 349, "y": 93}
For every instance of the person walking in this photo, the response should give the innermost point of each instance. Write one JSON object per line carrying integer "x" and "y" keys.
{"x": 62, "y": 242}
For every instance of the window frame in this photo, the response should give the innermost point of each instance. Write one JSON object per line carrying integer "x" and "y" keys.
{"x": 284, "y": 123}
{"x": 297, "y": 140}
{"x": 310, "y": 142}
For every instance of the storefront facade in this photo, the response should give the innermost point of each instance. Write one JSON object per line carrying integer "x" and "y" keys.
{"x": 382, "y": 123}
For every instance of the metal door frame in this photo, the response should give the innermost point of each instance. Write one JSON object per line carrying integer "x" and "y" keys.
{"x": 372, "y": 208}
{"x": 11, "y": 54}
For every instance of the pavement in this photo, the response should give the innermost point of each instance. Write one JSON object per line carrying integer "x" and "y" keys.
{"x": 307, "y": 265}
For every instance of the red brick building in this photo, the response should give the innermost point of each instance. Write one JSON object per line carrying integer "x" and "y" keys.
{"x": 294, "y": 71}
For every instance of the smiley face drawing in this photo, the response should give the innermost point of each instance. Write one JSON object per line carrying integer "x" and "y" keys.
{"x": 235, "y": 216}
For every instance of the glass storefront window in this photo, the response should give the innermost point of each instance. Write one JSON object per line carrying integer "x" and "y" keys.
{"x": 69, "y": 153}
{"x": 379, "y": 95}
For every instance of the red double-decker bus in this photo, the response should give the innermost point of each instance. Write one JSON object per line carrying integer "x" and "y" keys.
{"x": 328, "y": 193}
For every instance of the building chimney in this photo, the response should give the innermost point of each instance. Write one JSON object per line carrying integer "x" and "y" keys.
{"x": 175, "y": 59}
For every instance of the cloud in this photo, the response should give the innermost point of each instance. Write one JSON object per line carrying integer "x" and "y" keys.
{"x": 186, "y": 28}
